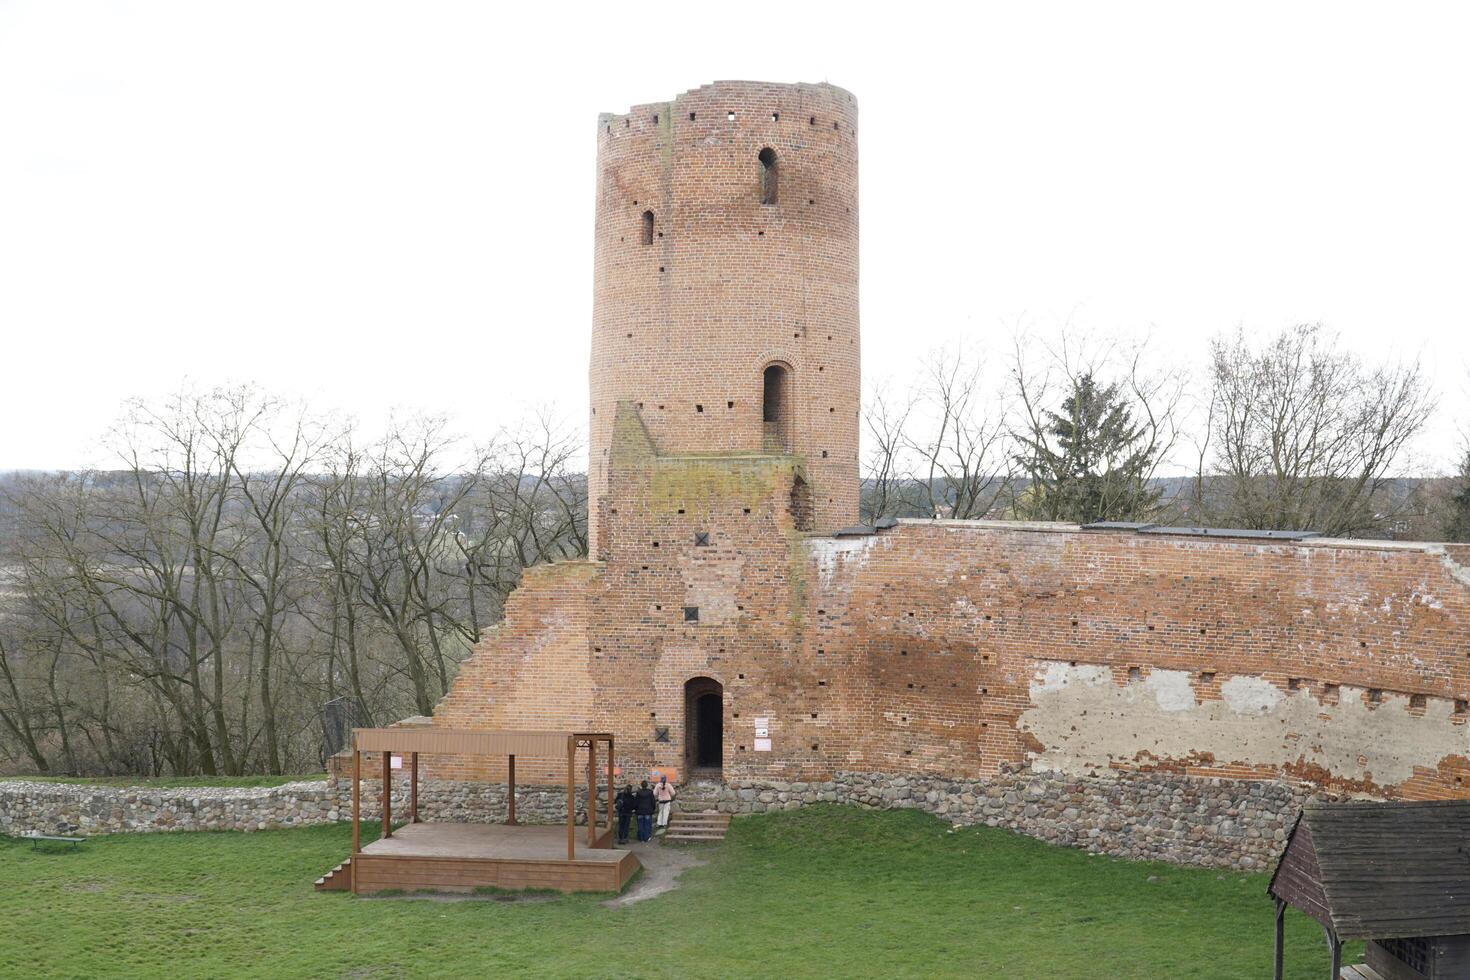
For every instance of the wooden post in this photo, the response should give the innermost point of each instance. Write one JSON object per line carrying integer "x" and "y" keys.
{"x": 413, "y": 787}
{"x": 510, "y": 794}
{"x": 1335, "y": 946}
{"x": 609, "y": 784}
{"x": 356, "y": 801}
{"x": 592, "y": 792}
{"x": 571, "y": 797}
{"x": 387, "y": 794}
{"x": 1280, "y": 937}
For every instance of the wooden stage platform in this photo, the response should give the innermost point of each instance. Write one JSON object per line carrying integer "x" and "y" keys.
{"x": 460, "y": 857}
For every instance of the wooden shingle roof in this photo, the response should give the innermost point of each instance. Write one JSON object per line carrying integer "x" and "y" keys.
{"x": 1380, "y": 870}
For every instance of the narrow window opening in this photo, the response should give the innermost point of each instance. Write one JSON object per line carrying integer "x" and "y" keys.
{"x": 730, "y": 116}
{"x": 691, "y": 614}
{"x": 770, "y": 175}
{"x": 775, "y": 407}
{"x": 648, "y": 227}
{"x": 775, "y": 117}
{"x": 691, "y": 117}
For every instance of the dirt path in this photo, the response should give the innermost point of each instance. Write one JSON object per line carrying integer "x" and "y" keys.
{"x": 662, "y": 867}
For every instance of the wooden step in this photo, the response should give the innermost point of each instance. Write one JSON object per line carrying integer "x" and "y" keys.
{"x": 1361, "y": 971}
{"x": 339, "y": 879}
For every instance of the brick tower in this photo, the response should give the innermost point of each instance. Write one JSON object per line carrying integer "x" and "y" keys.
{"x": 725, "y": 304}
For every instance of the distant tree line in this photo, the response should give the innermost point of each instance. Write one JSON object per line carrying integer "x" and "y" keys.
{"x": 246, "y": 562}
{"x": 192, "y": 610}
{"x": 1295, "y": 433}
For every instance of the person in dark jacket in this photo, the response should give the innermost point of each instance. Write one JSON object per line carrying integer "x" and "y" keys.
{"x": 645, "y": 807}
{"x": 625, "y": 803}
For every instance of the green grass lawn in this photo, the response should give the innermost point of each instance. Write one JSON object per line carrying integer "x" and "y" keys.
{"x": 171, "y": 782}
{"x": 826, "y": 891}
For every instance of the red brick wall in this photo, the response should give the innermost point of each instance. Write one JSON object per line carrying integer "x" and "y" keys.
{"x": 928, "y": 648}
{"x": 944, "y": 630}
{"x": 730, "y": 285}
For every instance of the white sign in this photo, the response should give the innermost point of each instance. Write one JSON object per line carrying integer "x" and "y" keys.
{"x": 763, "y": 729}
{"x": 763, "y": 745}
{"x": 397, "y": 763}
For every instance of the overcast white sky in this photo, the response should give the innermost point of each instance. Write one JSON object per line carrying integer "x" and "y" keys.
{"x": 379, "y": 205}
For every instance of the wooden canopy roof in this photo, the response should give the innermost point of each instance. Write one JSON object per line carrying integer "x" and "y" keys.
{"x": 453, "y": 741}
{"x": 1380, "y": 870}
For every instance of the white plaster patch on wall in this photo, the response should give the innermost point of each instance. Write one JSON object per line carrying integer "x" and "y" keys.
{"x": 1247, "y": 695}
{"x": 1170, "y": 689}
{"x": 1056, "y": 675}
{"x": 834, "y": 554}
{"x": 1084, "y": 724}
{"x": 1457, "y": 571}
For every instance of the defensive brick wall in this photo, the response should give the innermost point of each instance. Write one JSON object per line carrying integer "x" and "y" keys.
{"x": 961, "y": 647}
{"x": 957, "y": 649}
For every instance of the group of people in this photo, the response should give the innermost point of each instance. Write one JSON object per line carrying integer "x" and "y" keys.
{"x": 647, "y": 803}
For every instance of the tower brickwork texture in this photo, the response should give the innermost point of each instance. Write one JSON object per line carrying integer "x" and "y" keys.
{"x": 722, "y": 629}
{"x": 725, "y": 300}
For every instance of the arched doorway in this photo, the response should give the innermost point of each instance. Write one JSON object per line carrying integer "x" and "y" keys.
{"x": 704, "y": 725}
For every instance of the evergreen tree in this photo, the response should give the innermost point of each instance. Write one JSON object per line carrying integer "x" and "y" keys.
{"x": 1090, "y": 461}
{"x": 1457, "y": 524}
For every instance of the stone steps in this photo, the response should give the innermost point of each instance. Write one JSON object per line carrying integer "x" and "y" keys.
{"x": 699, "y": 825}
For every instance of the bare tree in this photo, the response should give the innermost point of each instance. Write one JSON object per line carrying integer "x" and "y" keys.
{"x": 961, "y": 445}
{"x": 888, "y": 488}
{"x": 1304, "y": 436}
{"x": 191, "y": 611}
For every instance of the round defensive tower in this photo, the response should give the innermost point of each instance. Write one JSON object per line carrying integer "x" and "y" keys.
{"x": 725, "y": 299}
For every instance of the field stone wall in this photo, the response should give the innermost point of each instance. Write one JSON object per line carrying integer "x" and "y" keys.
{"x": 83, "y": 810}
{"x": 1209, "y": 822}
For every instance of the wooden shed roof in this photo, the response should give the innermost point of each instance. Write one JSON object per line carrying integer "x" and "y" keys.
{"x": 458, "y": 741}
{"x": 1382, "y": 870}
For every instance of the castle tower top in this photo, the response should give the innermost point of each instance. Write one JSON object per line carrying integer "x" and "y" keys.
{"x": 725, "y": 302}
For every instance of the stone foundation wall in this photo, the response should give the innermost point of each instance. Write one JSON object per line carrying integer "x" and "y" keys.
{"x": 1209, "y": 822}
{"x": 1226, "y": 823}
{"x": 459, "y": 801}
{"x": 66, "y": 809}
{"x": 1223, "y": 823}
